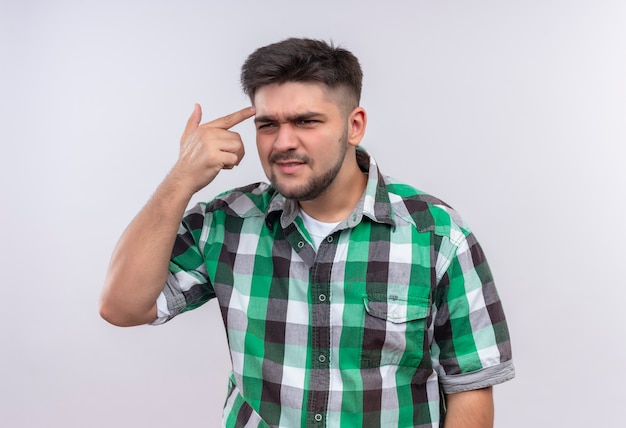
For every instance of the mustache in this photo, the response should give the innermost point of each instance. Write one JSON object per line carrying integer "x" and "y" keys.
{"x": 289, "y": 157}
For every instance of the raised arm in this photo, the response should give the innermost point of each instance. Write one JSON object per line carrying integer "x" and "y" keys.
{"x": 139, "y": 265}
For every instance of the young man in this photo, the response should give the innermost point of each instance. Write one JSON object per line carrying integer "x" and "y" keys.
{"x": 349, "y": 299}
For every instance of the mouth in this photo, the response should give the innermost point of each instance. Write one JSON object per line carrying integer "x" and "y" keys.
{"x": 289, "y": 166}
{"x": 288, "y": 163}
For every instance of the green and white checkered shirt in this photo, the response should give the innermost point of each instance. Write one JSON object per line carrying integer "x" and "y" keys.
{"x": 395, "y": 307}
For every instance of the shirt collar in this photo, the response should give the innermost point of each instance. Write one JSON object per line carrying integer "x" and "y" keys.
{"x": 374, "y": 204}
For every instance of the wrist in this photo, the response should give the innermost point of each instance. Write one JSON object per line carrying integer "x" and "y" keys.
{"x": 181, "y": 183}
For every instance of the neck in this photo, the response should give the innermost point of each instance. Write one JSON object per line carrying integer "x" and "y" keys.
{"x": 339, "y": 200}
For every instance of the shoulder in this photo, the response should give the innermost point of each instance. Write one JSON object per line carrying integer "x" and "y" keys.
{"x": 247, "y": 201}
{"x": 427, "y": 212}
{"x": 241, "y": 202}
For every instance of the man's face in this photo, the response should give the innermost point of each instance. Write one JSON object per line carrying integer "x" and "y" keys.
{"x": 301, "y": 137}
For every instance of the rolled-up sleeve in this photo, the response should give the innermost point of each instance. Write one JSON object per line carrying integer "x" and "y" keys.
{"x": 471, "y": 347}
{"x": 187, "y": 286}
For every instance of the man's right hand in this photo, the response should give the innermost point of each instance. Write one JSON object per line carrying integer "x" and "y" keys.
{"x": 206, "y": 149}
{"x": 140, "y": 261}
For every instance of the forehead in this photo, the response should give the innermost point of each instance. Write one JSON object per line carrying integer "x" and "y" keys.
{"x": 290, "y": 98}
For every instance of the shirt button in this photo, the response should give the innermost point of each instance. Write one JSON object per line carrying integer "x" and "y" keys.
{"x": 322, "y": 358}
{"x": 322, "y": 297}
{"x": 329, "y": 239}
{"x": 300, "y": 244}
{"x": 318, "y": 417}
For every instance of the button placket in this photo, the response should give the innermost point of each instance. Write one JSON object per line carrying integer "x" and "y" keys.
{"x": 320, "y": 318}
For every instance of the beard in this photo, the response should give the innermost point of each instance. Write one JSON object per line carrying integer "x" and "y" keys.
{"x": 318, "y": 184}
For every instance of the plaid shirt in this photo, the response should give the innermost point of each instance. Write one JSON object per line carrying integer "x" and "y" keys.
{"x": 396, "y": 306}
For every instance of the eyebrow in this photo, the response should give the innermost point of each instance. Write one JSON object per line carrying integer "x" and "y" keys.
{"x": 293, "y": 118}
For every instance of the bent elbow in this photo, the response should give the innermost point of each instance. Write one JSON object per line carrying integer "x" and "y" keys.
{"x": 116, "y": 316}
{"x": 110, "y": 315}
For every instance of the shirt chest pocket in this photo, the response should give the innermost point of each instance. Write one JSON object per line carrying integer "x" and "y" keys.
{"x": 394, "y": 330}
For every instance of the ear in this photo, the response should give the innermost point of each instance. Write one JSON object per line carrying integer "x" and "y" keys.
{"x": 357, "y": 121}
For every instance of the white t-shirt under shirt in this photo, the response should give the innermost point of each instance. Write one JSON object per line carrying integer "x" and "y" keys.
{"x": 318, "y": 230}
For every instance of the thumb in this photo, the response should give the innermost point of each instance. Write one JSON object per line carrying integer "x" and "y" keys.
{"x": 194, "y": 120}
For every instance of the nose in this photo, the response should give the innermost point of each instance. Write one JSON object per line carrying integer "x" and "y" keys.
{"x": 286, "y": 138}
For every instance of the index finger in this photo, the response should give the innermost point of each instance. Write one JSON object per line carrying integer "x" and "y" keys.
{"x": 232, "y": 119}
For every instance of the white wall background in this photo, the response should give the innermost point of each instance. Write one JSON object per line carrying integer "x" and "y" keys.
{"x": 512, "y": 111}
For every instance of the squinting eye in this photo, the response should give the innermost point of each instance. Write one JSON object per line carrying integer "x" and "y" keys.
{"x": 266, "y": 126}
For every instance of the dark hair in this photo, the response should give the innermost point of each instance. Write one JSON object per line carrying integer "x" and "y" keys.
{"x": 303, "y": 60}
